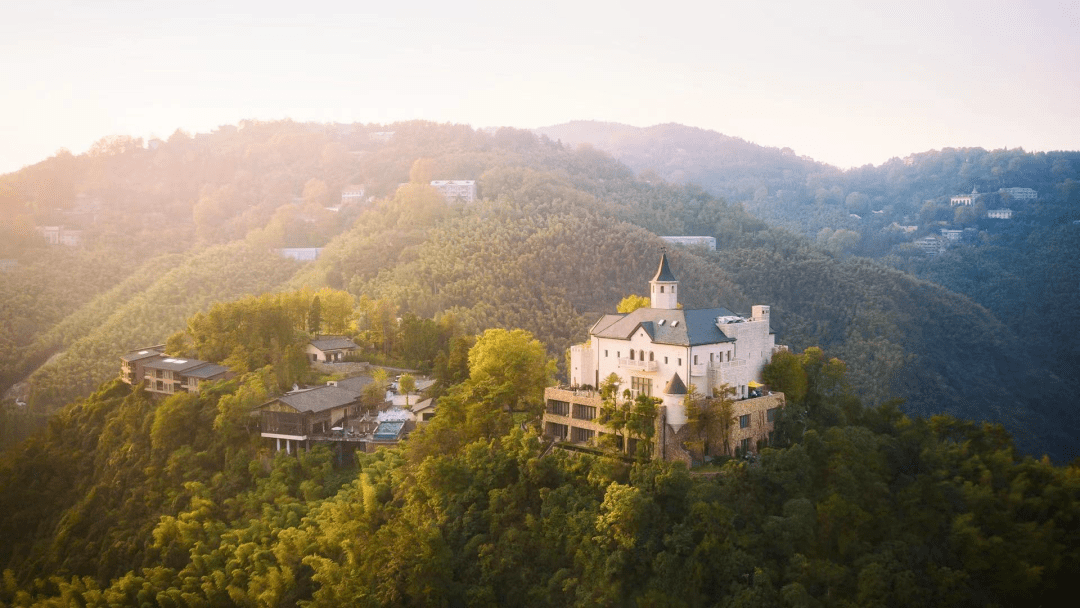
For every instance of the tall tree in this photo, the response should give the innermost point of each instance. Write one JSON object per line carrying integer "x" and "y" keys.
{"x": 314, "y": 323}
{"x": 511, "y": 368}
{"x": 406, "y": 384}
{"x": 710, "y": 420}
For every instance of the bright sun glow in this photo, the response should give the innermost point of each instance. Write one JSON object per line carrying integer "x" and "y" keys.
{"x": 837, "y": 81}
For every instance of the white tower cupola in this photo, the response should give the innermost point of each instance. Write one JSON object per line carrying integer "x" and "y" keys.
{"x": 665, "y": 289}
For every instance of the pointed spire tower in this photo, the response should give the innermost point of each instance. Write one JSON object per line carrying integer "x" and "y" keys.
{"x": 664, "y": 286}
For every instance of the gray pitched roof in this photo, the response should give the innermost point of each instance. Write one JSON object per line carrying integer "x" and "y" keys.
{"x": 675, "y": 386}
{"x": 325, "y": 343}
{"x": 176, "y": 364}
{"x": 422, "y": 405}
{"x": 318, "y": 399}
{"x": 143, "y": 353}
{"x": 678, "y": 327}
{"x": 355, "y": 384}
{"x": 207, "y": 371}
{"x": 663, "y": 273}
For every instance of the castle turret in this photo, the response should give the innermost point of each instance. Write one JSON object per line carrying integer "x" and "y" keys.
{"x": 674, "y": 394}
{"x": 664, "y": 287}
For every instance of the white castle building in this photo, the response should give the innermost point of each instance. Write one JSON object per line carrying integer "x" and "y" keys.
{"x": 660, "y": 351}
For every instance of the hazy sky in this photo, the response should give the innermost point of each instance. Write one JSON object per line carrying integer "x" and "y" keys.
{"x": 842, "y": 82}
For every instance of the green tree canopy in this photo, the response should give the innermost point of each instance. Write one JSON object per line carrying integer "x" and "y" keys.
{"x": 511, "y": 368}
{"x": 633, "y": 302}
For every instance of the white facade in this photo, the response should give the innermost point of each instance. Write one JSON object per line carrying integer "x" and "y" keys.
{"x": 999, "y": 214}
{"x": 352, "y": 194}
{"x": 664, "y": 348}
{"x": 300, "y": 254}
{"x": 1020, "y": 194}
{"x": 953, "y": 236}
{"x": 463, "y": 190}
{"x": 708, "y": 242}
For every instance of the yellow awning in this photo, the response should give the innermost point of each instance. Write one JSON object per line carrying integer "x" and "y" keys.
{"x": 753, "y": 384}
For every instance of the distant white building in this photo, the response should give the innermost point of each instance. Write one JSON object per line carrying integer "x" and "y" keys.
{"x": 301, "y": 254}
{"x": 930, "y": 245}
{"x": 708, "y": 242}
{"x": 999, "y": 214}
{"x": 463, "y": 190}
{"x": 1020, "y": 194}
{"x": 57, "y": 235}
{"x": 352, "y": 194}
{"x": 952, "y": 236}
{"x": 964, "y": 199}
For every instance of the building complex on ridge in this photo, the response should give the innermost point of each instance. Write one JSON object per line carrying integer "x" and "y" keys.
{"x": 660, "y": 351}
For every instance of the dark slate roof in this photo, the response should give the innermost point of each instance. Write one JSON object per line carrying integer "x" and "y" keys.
{"x": 325, "y": 343}
{"x": 675, "y": 386}
{"x": 176, "y": 364}
{"x": 318, "y": 399}
{"x": 207, "y": 371}
{"x": 143, "y": 353}
{"x": 663, "y": 273}
{"x": 355, "y": 384}
{"x": 679, "y": 327}
{"x": 423, "y": 405}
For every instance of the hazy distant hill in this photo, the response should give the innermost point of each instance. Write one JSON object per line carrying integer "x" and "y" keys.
{"x": 726, "y": 166}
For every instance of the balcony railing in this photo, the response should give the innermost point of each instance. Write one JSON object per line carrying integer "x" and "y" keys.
{"x": 731, "y": 364}
{"x": 645, "y": 366}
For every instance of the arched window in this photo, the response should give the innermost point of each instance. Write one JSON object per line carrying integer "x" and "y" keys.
{"x": 650, "y": 355}
{"x": 631, "y": 354}
{"x": 641, "y": 355}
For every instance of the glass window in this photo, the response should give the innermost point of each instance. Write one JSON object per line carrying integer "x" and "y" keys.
{"x": 770, "y": 414}
{"x": 642, "y": 386}
{"x": 558, "y": 408}
{"x": 744, "y": 421}
{"x": 584, "y": 412}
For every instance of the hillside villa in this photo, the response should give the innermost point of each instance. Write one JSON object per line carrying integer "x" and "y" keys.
{"x": 164, "y": 375}
{"x": 661, "y": 351}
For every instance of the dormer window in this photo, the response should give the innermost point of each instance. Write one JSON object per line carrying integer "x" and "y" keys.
{"x": 661, "y": 321}
{"x": 674, "y": 323}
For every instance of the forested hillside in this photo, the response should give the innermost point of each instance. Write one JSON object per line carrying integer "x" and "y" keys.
{"x": 560, "y": 236}
{"x": 126, "y": 500}
{"x": 123, "y": 499}
{"x": 1022, "y": 269}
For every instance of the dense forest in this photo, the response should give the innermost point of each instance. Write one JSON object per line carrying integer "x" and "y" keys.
{"x": 120, "y": 499}
{"x": 128, "y": 500}
{"x": 1022, "y": 270}
{"x": 559, "y": 236}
